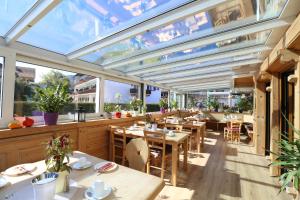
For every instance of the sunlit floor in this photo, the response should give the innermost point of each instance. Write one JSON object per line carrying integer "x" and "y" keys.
{"x": 225, "y": 171}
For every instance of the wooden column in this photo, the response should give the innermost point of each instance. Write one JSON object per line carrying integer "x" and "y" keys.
{"x": 260, "y": 118}
{"x": 297, "y": 99}
{"x": 275, "y": 120}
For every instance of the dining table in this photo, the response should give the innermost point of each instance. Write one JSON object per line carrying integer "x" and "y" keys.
{"x": 180, "y": 137}
{"x": 200, "y": 128}
{"x": 126, "y": 183}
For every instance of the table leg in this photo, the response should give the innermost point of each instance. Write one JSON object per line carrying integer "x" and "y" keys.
{"x": 174, "y": 163}
{"x": 185, "y": 154}
{"x": 202, "y": 135}
{"x": 198, "y": 139}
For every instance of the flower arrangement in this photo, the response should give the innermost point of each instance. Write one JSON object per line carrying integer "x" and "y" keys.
{"x": 136, "y": 104}
{"x": 57, "y": 150}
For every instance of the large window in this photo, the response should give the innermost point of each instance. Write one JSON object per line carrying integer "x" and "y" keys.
{"x": 153, "y": 95}
{"x": 82, "y": 88}
{"x": 119, "y": 93}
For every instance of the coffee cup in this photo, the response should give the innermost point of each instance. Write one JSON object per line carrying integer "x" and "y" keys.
{"x": 98, "y": 188}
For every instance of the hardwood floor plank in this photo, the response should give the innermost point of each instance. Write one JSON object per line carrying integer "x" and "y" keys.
{"x": 225, "y": 171}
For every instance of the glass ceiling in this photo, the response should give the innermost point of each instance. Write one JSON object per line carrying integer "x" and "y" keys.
{"x": 232, "y": 13}
{"x": 249, "y": 40}
{"x": 11, "y": 11}
{"x": 75, "y": 23}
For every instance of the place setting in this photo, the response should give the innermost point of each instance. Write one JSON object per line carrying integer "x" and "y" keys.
{"x": 98, "y": 190}
{"x": 81, "y": 164}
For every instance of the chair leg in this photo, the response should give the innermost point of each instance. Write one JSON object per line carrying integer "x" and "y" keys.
{"x": 123, "y": 157}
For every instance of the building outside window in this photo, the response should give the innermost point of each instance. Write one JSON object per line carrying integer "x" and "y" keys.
{"x": 153, "y": 95}
{"x": 124, "y": 90}
{"x": 82, "y": 88}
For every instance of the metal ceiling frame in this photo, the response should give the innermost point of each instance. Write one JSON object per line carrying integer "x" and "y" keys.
{"x": 202, "y": 56}
{"x": 145, "y": 24}
{"x": 204, "y": 70}
{"x": 31, "y": 17}
{"x": 199, "y": 39}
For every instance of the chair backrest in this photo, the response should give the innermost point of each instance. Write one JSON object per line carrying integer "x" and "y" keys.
{"x": 156, "y": 140}
{"x": 118, "y": 133}
{"x": 140, "y": 123}
{"x": 176, "y": 127}
{"x": 236, "y": 125}
{"x": 137, "y": 154}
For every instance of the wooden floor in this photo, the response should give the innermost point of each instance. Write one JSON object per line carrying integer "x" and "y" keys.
{"x": 225, "y": 171}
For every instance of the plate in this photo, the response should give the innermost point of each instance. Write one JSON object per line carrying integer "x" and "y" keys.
{"x": 101, "y": 164}
{"x": 79, "y": 166}
{"x": 3, "y": 181}
{"x": 89, "y": 193}
{"x": 20, "y": 169}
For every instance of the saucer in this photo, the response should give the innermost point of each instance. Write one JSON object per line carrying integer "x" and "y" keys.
{"x": 3, "y": 181}
{"x": 20, "y": 169}
{"x": 89, "y": 193}
{"x": 79, "y": 166}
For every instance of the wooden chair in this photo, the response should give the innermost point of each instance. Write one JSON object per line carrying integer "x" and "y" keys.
{"x": 140, "y": 123}
{"x": 176, "y": 127}
{"x": 118, "y": 141}
{"x": 226, "y": 129}
{"x": 234, "y": 131}
{"x": 157, "y": 145}
{"x": 137, "y": 154}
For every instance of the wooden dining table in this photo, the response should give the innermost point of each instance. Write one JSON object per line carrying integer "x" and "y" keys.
{"x": 126, "y": 183}
{"x": 179, "y": 138}
{"x": 200, "y": 127}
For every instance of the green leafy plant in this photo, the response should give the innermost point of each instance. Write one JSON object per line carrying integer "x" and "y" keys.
{"x": 288, "y": 158}
{"x": 108, "y": 107}
{"x": 52, "y": 99}
{"x": 136, "y": 104}
{"x": 212, "y": 103}
{"x": 174, "y": 104}
{"x": 244, "y": 104}
{"x": 57, "y": 150}
{"x": 163, "y": 103}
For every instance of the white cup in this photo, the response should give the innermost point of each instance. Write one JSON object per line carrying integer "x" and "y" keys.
{"x": 165, "y": 130}
{"x": 135, "y": 125}
{"x": 98, "y": 188}
{"x": 154, "y": 127}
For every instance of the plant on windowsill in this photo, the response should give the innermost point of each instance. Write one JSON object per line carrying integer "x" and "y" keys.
{"x": 212, "y": 104}
{"x": 163, "y": 104}
{"x": 118, "y": 113}
{"x": 108, "y": 109}
{"x": 174, "y": 105}
{"x": 51, "y": 100}
{"x": 58, "y": 152}
{"x": 136, "y": 105}
{"x": 289, "y": 160}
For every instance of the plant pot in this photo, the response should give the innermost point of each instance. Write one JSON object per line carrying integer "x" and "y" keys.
{"x": 118, "y": 114}
{"x": 50, "y": 118}
{"x": 62, "y": 182}
{"x": 162, "y": 110}
{"x": 44, "y": 186}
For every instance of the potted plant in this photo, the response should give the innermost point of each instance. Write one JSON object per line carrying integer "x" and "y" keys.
{"x": 136, "y": 104}
{"x": 174, "y": 104}
{"x": 108, "y": 109}
{"x": 243, "y": 104}
{"x": 51, "y": 100}
{"x": 118, "y": 113}
{"x": 212, "y": 103}
{"x": 58, "y": 152}
{"x": 289, "y": 160}
{"x": 163, "y": 104}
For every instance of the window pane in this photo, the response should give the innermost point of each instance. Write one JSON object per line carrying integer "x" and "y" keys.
{"x": 124, "y": 91}
{"x": 82, "y": 88}
{"x": 153, "y": 95}
{"x": 230, "y": 14}
{"x": 75, "y": 23}
{"x": 11, "y": 11}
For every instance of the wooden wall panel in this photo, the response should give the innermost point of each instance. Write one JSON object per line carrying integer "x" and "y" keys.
{"x": 275, "y": 121}
{"x": 260, "y": 118}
